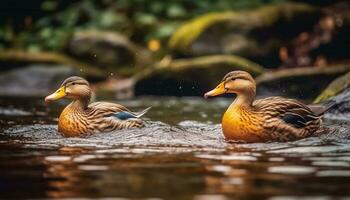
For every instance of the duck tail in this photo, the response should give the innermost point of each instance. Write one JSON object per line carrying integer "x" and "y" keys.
{"x": 321, "y": 108}
{"x": 141, "y": 113}
{"x": 125, "y": 115}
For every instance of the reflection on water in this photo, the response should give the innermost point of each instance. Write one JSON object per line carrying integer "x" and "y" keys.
{"x": 180, "y": 154}
{"x": 292, "y": 170}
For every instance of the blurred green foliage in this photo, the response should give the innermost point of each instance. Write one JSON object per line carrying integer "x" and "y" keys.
{"x": 140, "y": 20}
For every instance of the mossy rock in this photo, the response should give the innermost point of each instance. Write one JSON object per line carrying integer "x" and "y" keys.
{"x": 239, "y": 23}
{"x": 334, "y": 88}
{"x": 108, "y": 50}
{"x": 20, "y": 57}
{"x": 35, "y": 80}
{"x": 303, "y": 83}
{"x": 191, "y": 76}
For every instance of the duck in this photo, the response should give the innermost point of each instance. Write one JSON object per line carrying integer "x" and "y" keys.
{"x": 81, "y": 117}
{"x": 271, "y": 119}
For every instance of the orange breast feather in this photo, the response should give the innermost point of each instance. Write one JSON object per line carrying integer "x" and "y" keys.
{"x": 240, "y": 124}
{"x": 68, "y": 125}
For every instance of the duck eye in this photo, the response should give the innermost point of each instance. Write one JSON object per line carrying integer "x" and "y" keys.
{"x": 73, "y": 83}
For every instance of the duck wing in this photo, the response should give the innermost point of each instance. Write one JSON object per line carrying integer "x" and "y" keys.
{"x": 123, "y": 115}
{"x": 291, "y": 111}
{"x": 105, "y": 109}
{"x": 320, "y": 109}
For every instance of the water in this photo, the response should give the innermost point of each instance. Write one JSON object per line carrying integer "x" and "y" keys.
{"x": 180, "y": 154}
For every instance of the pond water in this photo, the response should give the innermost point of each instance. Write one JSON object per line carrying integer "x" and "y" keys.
{"x": 180, "y": 154}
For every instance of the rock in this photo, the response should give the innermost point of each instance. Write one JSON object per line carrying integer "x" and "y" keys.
{"x": 18, "y": 57}
{"x": 33, "y": 80}
{"x": 191, "y": 76}
{"x": 302, "y": 83}
{"x": 107, "y": 49}
{"x": 334, "y": 88}
{"x": 246, "y": 33}
{"x": 341, "y": 109}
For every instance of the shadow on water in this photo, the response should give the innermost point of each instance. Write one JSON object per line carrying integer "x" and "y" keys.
{"x": 180, "y": 154}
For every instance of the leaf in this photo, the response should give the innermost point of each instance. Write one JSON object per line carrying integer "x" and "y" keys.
{"x": 176, "y": 11}
{"x": 166, "y": 30}
{"x": 49, "y": 5}
{"x": 109, "y": 19}
{"x": 145, "y": 19}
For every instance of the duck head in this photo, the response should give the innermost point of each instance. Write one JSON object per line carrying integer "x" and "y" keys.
{"x": 237, "y": 82}
{"x": 74, "y": 87}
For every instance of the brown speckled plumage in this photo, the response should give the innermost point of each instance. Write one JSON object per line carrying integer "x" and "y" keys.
{"x": 80, "y": 117}
{"x": 97, "y": 117}
{"x": 268, "y": 119}
{"x": 274, "y": 109}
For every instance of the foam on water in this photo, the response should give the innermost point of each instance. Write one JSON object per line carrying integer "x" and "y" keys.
{"x": 186, "y": 136}
{"x": 155, "y": 134}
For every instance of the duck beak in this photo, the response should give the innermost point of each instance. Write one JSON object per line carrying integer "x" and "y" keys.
{"x": 60, "y": 93}
{"x": 220, "y": 89}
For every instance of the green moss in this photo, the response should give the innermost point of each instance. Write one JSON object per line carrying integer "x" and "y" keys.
{"x": 334, "y": 88}
{"x": 190, "y": 31}
{"x": 235, "y": 62}
{"x": 20, "y": 56}
{"x": 212, "y": 66}
{"x": 241, "y": 20}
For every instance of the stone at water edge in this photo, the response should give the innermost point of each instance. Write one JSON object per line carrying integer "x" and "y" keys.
{"x": 338, "y": 92}
{"x": 239, "y": 32}
{"x": 302, "y": 82}
{"x": 334, "y": 88}
{"x": 341, "y": 109}
{"x": 33, "y": 80}
{"x": 190, "y": 76}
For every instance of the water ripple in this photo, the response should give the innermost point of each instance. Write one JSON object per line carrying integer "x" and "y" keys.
{"x": 185, "y": 136}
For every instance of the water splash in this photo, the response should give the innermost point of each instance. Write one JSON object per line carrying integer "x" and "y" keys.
{"x": 187, "y": 135}
{"x": 155, "y": 134}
